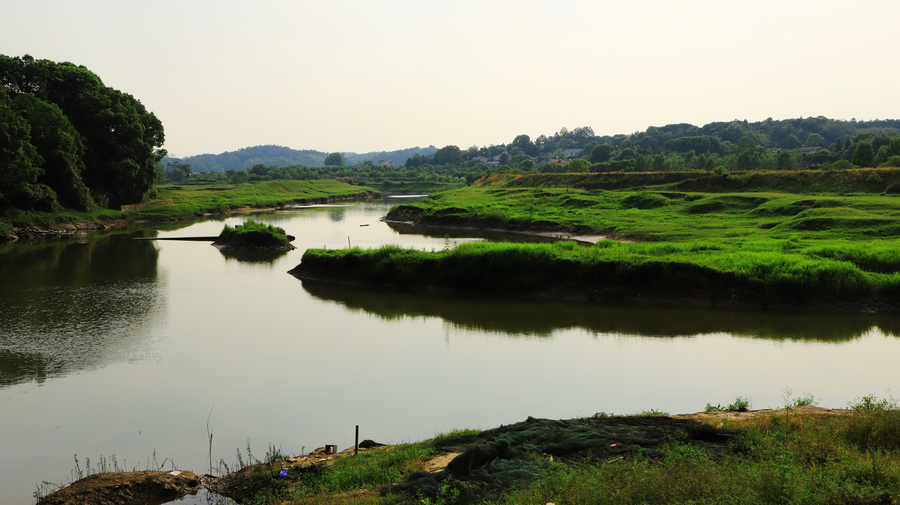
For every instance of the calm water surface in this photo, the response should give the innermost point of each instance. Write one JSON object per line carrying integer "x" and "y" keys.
{"x": 118, "y": 347}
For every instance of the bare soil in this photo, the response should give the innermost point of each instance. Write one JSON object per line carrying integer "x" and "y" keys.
{"x": 127, "y": 487}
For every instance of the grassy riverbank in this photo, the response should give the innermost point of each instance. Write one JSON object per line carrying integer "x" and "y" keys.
{"x": 764, "y": 209}
{"x": 193, "y": 200}
{"x": 794, "y": 455}
{"x": 754, "y": 248}
{"x": 771, "y": 274}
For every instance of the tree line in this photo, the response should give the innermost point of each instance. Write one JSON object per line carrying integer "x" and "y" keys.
{"x": 68, "y": 140}
{"x": 871, "y": 144}
{"x": 272, "y": 155}
{"x": 738, "y": 145}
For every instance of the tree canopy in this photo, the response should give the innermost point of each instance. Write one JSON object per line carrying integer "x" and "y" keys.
{"x": 93, "y": 144}
{"x": 335, "y": 160}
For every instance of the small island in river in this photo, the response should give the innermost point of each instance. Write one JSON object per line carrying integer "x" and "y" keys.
{"x": 254, "y": 236}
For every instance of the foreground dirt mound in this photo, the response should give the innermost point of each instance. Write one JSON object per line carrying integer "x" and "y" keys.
{"x": 126, "y": 487}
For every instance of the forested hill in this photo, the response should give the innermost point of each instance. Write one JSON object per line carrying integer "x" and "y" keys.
{"x": 271, "y": 155}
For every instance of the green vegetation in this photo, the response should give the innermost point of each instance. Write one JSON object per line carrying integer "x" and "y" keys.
{"x": 280, "y": 156}
{"x": 253, "y": 234}
{"x": 758, "y": 248}
{"x": 679, "y": 207}
{"x": 784, "y": 457}
{"x": 70, "y": 141}
{"x": 192, "y": 200}
{"x": 740, "y": 405}
{"x": 718, "y": 148}
{"x": 318, "y": 484}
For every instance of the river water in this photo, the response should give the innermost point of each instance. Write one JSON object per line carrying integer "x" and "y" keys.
{"x": 134, "y": 351}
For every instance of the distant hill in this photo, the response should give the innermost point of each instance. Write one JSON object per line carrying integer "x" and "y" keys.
{"x": 272, "y": 155}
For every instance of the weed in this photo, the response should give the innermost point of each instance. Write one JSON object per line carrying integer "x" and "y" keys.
{"x": 807, "y": 400}
{"x": 740, "y": 405}
{"x": 871, "y": 402}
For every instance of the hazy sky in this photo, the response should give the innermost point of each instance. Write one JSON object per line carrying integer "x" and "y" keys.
{"x": 355, "y": 75}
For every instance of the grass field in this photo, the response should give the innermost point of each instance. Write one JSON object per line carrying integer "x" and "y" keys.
{"x": 760, "y": 244}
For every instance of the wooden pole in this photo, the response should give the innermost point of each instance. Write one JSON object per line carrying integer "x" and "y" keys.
{"x": 356, "y": 445}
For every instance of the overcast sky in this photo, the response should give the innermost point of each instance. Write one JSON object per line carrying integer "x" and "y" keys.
{"x": 355, "y": 75}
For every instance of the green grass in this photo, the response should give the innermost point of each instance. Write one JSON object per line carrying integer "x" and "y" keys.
{"x": 216, "y": 198}
{"x": 782, "y": 458}
{"x": 319, "y": 484}
{"x": 193, "y": 200}
{"x": 761, "y": 246}
{"x": 252, "y": 233}
{"x": 786, "y": 457}
{"x": 665, "y": 215}
{"x": 775, "y": 271}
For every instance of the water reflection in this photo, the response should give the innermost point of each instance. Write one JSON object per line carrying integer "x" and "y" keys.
{"x": 337, "y": 215}
{"x": 541, "y": 319}
{"x": 255, "y": 257}
{"x": 70, "y": 306}
{"x": 463, "y": 233}
{"x": 18, "y": 367}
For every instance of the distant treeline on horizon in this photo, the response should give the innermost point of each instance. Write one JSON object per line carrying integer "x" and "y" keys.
{"x": 272, "y": 155}
{"x": 820, "y": 139}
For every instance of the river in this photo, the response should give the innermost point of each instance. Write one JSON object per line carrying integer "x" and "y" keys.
{"x": 133, "y": 351}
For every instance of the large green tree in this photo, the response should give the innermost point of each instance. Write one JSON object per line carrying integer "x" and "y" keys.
{"x": 863, "y": 155}
{"x": 602, "y": 153}
{"x": 121, "y": 139}
{"x": 61, "y": 148}
{"x": 20, "y": 164}
{"x": 449, "y": 155}
{"x": 334, "y": 160}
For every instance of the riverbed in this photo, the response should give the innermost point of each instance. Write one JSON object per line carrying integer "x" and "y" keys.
{"x": 137, "y": 351}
